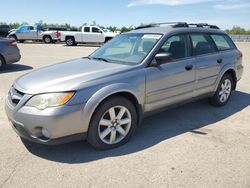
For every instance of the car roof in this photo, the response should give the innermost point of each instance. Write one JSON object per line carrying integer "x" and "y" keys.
{"x": 170, "y": 30}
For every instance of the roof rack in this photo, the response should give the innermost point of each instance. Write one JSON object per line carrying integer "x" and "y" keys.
{"x": 179, "y": 24}
{"x": 159, "y": 24}
{"x": 204, "y": 25}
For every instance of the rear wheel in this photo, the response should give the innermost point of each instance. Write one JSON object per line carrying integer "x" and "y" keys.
{"x": 223, "y": 91}
{"x": 70, "y": 41}
{"x": 47, "y": 39}
{"x": 112, "y": 124}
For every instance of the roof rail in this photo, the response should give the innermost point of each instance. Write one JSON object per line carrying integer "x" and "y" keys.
{"x": 179, "y": 24}
{"x": 159, "y": 24}
{"x": 204, "y": 25}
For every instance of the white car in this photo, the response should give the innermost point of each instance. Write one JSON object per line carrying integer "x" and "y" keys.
{"x": 89, "y": 34}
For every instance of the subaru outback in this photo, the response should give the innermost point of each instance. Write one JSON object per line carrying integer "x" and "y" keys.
{"x": 103, "y": 97}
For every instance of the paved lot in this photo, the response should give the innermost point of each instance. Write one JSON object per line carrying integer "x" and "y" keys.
{"x": 195, "y": 145}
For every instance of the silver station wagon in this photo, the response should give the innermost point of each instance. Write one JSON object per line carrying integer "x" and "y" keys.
{"x": 103, "y": 97}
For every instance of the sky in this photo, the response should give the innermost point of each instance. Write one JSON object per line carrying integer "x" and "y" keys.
{"x": 223, "y": 13}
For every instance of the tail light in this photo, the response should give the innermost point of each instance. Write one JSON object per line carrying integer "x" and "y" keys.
{"x": 241, "y": 54}
{"x": 58, "y": 34}
{"x": 12, "y": 43}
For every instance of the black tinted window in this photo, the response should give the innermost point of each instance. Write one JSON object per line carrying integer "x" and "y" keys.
{"x": 177, "y": 46}
{"x": 221, "y": 42}
{"x": 30, "y": 28}
{"x": 202, "y": 44}
{"x": 86, "y": 29}
{"x": 95, "y": 30}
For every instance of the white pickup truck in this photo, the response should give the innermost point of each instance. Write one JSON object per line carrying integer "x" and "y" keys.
{"x": 89, "y": 34}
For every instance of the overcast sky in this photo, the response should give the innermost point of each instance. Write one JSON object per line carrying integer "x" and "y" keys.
{"x": 224, "y": 13}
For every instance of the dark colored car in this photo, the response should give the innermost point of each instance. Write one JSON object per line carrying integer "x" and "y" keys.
{"x": 4, "y": 30}
{"x": 9, "y": 52}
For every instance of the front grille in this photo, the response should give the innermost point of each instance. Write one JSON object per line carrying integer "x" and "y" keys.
{"x": 15, "y": 96}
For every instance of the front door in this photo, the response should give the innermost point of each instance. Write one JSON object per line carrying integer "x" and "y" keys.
{"x": 172, "y": 81}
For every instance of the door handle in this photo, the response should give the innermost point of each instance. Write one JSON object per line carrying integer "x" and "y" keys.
{"x": 189, "y": 67}
{"x": 219, "y": 61}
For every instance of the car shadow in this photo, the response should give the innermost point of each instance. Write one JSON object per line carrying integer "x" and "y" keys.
{"x": 15, "y": 68}
{"x": 153, "y": 130}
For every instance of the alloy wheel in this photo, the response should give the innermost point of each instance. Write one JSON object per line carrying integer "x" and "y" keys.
{"x": 225, "y": 90}
{"x": 114, "y": 125}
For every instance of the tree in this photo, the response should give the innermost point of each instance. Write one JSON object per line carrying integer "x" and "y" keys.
{"x": 236, "y": 30}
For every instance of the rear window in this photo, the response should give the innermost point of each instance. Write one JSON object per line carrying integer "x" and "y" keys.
{"x": 221, "y": 42}
{"x": 202, "y": 44}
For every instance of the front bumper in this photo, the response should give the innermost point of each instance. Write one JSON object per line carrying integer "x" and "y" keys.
{"x": 64, "y": 124}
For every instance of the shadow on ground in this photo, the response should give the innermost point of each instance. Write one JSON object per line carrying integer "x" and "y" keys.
{"x": 15, "y": 68}
{"x": 153, "y": 130}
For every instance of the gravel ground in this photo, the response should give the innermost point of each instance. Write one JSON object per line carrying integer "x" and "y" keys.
{"x": 195, "y": 145}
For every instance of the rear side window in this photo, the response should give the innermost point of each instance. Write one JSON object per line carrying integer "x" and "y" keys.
{"x": 202, "y": 44}
{"x": 86, "y": 29}
{"x": 221, "y": 42}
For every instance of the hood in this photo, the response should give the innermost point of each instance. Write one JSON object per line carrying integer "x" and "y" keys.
{"x": 66, "y": 76}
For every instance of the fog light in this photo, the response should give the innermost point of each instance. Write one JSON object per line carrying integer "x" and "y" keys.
{"x": 45, "y": 133}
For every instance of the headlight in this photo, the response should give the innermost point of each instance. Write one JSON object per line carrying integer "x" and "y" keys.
{"x": 43, "y": 101}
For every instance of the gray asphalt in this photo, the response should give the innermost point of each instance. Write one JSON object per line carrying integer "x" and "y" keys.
{"x": 195, "y": 145}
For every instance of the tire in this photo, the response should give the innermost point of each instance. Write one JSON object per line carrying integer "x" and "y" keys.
{"x": 2, "y": 62}
{"x": 225, "y": 89}
{"x": 107, "y": 39}
{"x": 113, "y": 131}
{"x": 70, "y": 41}
{"x": 47, "y": 39}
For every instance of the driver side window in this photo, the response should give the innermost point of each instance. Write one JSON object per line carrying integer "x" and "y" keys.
{"x": 176, "y": 46}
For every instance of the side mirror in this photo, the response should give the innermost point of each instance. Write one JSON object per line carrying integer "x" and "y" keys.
{"x": 162, "y": 58}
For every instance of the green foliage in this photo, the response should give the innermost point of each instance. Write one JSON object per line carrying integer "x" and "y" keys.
{"x": 236, "y": 30}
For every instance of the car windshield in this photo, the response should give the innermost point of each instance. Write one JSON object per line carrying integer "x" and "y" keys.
{"x": 127, "y": 48}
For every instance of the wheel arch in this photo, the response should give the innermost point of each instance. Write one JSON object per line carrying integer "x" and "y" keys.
{"x": 227, "y": 70}
{"x": 232, "y": 73}
{"x": 104, "y": 94}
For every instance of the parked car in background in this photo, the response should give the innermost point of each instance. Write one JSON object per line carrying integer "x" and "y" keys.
{"x": 35, "y": 33}
{"x": 89, "y": 34}
{"x": 4, "y": 30}
{"x": 103, "y": 97}
{"x": 9, "y": 52}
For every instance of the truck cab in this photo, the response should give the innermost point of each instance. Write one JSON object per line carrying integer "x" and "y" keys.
{"x": 88, "y": 34}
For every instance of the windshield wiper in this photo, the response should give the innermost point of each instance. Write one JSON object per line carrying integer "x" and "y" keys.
{"x": 100, "y": 58}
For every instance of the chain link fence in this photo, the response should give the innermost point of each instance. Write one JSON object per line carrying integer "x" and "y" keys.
{"x": 240, "y": 38}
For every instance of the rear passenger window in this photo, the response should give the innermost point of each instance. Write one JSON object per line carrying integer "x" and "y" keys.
{"x": 177, "y": 46}
{"x": 221, "y": 42}
{"x": 86, "y": 29}
{"x": 202, "y": 44}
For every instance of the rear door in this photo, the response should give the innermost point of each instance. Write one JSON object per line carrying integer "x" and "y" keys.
{"x": 207, "y": 62}
{"x": 173, "y": 81}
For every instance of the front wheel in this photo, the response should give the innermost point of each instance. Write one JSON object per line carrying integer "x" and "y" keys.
{"x": 112, "y": 124}
{"x": 47, "y": 39}
{"x": 223, "y": 91}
